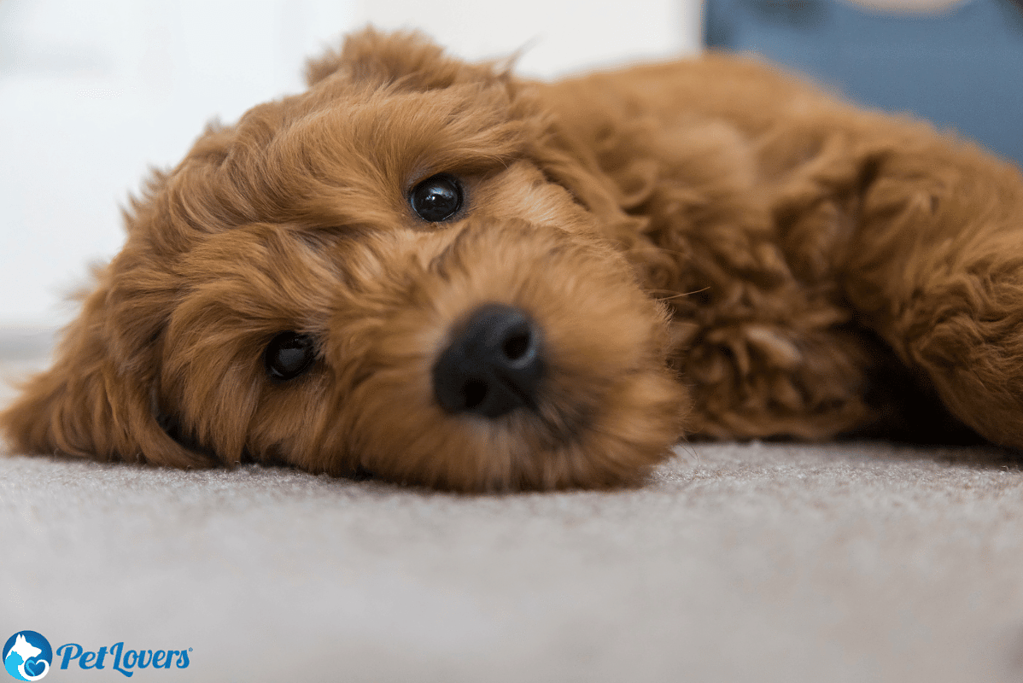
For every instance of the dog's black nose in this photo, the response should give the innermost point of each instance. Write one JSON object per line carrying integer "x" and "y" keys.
{"x": 493, "y": 366}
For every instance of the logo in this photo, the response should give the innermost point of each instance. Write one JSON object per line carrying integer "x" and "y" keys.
{"x": 121, "y": 660}
{"x": 27, "y": 656}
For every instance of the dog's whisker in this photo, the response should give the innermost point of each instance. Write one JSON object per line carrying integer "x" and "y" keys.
{"x": 678, "y": 295}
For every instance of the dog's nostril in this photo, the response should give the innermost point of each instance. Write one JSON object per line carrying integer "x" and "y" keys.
{"x": 493, "y": 364}
{"x": 517, "y": 346}
{"x": 474, "y": 392}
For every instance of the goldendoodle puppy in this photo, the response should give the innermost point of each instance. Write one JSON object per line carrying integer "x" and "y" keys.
{"x": 439, "y": 273}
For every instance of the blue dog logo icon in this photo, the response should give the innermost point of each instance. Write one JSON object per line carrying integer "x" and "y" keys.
{"x": 27, "y": 656}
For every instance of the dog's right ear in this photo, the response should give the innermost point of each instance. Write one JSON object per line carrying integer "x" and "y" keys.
{"x": 407, "y": 56}
{"x": 97, "y": 400}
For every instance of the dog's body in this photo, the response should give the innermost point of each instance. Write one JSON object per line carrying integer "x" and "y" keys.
{"x": 442, "y": 274}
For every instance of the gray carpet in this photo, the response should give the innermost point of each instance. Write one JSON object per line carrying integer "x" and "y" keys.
{"x": 737, "y": 562}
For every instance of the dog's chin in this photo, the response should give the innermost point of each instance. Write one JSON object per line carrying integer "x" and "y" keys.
{"x": 612, "y": 439}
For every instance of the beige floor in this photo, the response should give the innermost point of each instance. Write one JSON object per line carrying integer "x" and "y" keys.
{"x": 751, "y": 562}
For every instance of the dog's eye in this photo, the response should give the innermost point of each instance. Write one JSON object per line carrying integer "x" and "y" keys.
{"x": 437, "y": 198}
{"x": 288, "y": 355}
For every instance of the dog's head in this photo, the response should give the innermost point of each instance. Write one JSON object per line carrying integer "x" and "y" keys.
{"x": 406, "y": 269}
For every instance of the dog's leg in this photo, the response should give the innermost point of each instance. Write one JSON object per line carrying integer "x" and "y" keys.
{"x": 761, "y": 333}
{"x": 852, "y": 222}
{"x": 936, "y": 268}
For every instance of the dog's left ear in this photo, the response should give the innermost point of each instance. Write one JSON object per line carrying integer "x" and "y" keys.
{"x": 407, "y": 57}
{"x": 98, "y": 398}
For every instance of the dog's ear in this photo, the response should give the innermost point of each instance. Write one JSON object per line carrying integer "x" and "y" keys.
{"x": 406, "y": 56}
{"x": 573, "y": 165}
{"x": 97, "y": 400}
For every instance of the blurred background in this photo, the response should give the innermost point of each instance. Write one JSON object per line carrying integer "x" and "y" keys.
{"x": 94, "y": 93}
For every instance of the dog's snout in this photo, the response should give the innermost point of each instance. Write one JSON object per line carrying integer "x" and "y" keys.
{"x": 493, "y": 366}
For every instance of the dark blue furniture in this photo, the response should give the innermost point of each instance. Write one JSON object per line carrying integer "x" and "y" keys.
{"x": 962, "y": 68}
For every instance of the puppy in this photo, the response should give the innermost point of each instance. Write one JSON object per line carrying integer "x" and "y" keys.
{"x": 441, "y": 274}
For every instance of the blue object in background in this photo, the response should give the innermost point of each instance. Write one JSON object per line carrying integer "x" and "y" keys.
{"x": 960, "y": 67}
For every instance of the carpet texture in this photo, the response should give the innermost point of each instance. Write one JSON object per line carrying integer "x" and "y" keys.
{"x": 736, "y": 562}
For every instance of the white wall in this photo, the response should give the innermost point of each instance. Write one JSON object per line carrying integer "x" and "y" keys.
{"x": 93, "y": 93}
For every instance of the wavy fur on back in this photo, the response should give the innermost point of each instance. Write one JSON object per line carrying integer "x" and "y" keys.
{"x": 709, "y": 248}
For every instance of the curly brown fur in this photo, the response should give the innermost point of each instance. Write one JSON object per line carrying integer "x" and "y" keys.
{"x": 706, "y": 246}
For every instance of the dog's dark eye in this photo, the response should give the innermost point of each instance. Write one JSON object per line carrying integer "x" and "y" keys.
{"x": 437, "y": 198}
{"x": 288, "y": 355}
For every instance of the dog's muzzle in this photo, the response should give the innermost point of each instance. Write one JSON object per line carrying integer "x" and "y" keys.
{"x": 493, "y": 365}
